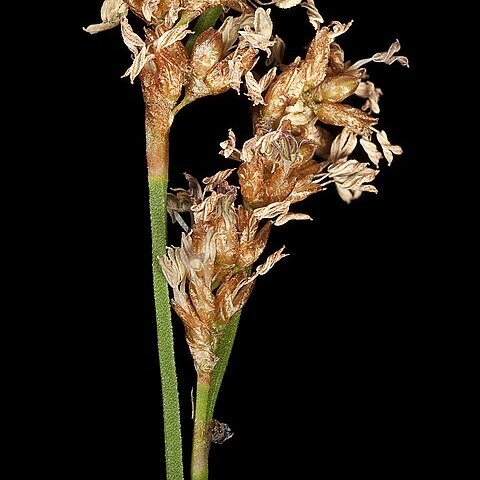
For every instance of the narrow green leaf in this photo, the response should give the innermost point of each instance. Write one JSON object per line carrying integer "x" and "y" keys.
{"x": 224, "y": 350}
{"x": 206, "y": 20}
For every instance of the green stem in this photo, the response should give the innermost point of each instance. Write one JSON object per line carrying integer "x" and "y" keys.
{"x": 201, "y": 431}
{"x": 224, "y": 349}
{"x": 157, "y": 159}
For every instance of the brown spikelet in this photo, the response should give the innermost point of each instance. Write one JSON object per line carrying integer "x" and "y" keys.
{"x": 316, "y": 59}
{"x": 346, "y": 116}
{"x": 206, "y": 52}
{"x": 225, "y": 73}
{"x": 337, "y": 88}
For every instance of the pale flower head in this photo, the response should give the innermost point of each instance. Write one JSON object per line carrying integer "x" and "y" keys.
{"x": 313, "y": 14}
{"x": 371, "y": 94}
{"x": 256, "y": 88}
{"x": 260, "y": 36}
{"x": 387, "y": 57}
{"x": 277, "y": 170}
{"x": 231, "y": 27}
{"x": 111, "y": 13}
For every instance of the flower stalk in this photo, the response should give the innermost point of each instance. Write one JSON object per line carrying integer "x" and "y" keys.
{"x": 157, "y": 161}
{"x": 201, "y": 431}
{"x": 206, "y": 399}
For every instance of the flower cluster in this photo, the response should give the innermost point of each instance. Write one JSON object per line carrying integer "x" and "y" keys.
{"x": 211, "y": 272}
{"x": 306, "y": 129}
{"x": 167, "y": 68}
{"x": 293, "y": 118}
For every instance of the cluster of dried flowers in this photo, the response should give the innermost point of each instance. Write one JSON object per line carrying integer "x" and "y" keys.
{"x": 304, "y": 137}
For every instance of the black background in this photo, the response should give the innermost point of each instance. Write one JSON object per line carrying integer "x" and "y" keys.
{"x": 331, "y": 368}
